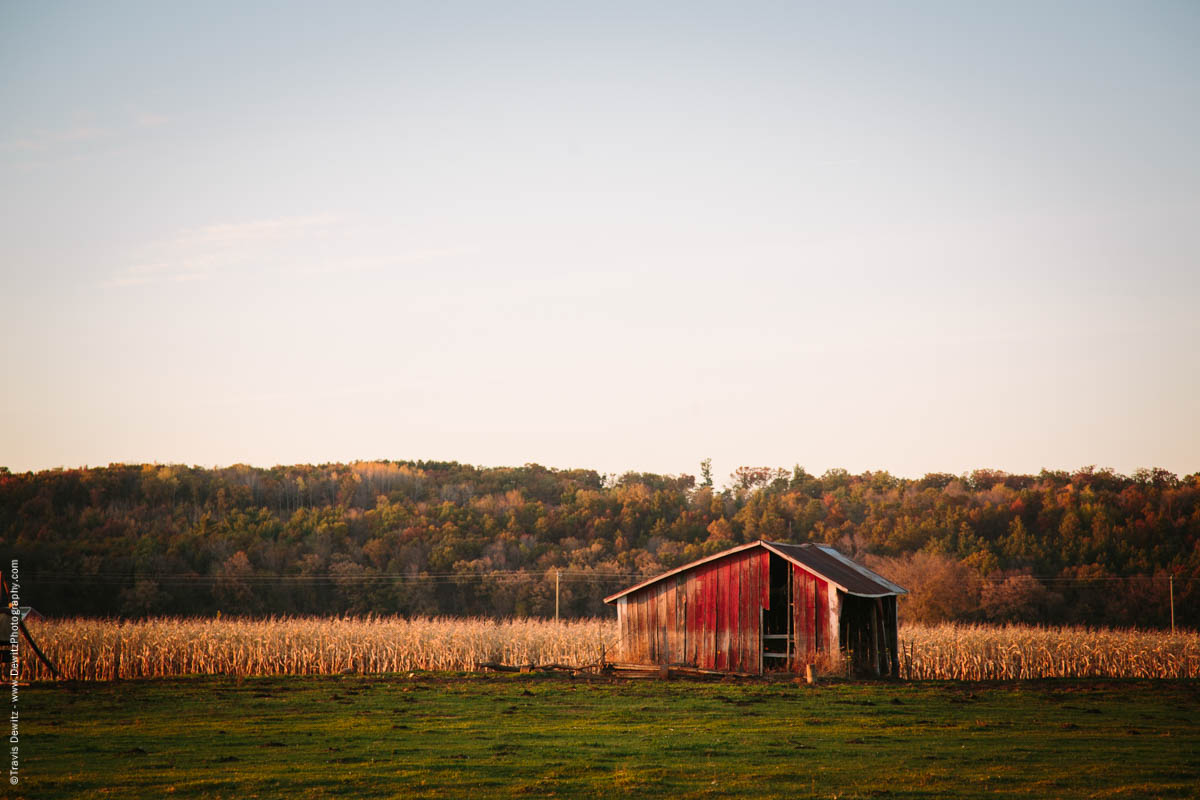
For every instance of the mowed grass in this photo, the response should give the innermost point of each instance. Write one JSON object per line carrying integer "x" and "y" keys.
{"x": 478, "y": 736}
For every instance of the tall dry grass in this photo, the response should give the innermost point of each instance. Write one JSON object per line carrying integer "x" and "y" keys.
{"x": 90, "y": 649}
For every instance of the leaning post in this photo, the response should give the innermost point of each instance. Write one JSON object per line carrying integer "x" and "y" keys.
{"x": 1171, "y": 587}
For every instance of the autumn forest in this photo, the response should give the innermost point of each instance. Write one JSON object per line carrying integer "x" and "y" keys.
{"x": 1091, "y": 547}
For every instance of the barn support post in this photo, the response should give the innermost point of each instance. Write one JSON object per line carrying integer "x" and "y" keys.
{"x": 623, "y": 632}
{"x": 876, "y": 638}
{"x": 893, "y": 636}
{"x": 835, "y": 619}
{"x": 761, "y": 632}
{"x": 885, "y": 664}
{"x": 791, "y": 614}
{"x": 1172, "y": 590}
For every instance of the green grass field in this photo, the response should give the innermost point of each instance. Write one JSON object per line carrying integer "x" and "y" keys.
{"x": 459, "y": 736}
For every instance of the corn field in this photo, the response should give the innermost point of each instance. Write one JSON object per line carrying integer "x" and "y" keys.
{"x": 1011, "y": 652}
{"x": 91, "y": 649}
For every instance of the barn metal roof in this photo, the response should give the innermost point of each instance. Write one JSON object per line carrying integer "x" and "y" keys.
{"x": 851, "y": 577}
{"x": 821, "y": 560}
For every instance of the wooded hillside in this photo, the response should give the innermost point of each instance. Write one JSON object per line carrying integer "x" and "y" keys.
{"x": 1091, "y": 547}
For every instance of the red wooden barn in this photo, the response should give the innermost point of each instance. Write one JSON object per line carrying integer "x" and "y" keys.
{"x": 762, "y": 607}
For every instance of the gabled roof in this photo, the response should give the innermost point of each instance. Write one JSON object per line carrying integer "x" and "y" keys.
{"x": 851, "y": 577}
{"x": 821, "y": 560}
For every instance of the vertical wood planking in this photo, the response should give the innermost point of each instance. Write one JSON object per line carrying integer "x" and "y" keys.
{"x": 735, "y": 614}
{"x": 648, "y": 625}
{"x": 701, "y": 643}
{"x": 672, "y": 614}
{"x": 652, "y": 619}
{"x": 669, "y": 621}
{"x": 630, "y": 653}
{"x": 721, "y": 629}
{"x": 717, "y": 610}
{"x": 729, "y": 597}
{"x": 643, "y": 629}
{"x": 708, "y": 643}
{"x": 622, "y": 628}
{"x": 725, "y": 617}
{"x": 639, "y": 630}
{"x": 765, "y": 577}
{"x": 663, "y": 626}
{"x": 810, "y": 613}
{"x": 680, "y": 646}
{"x": 799, "y": 612}
{"x": 813, "y": 637}
{"x": 710, "y": 616}
{"x": 821, "y": 617}
{"x": 810, "y": 617}
{"x": 629, "y": 642}
{"x": 693, "y": 586}
{"x": 751, "y": 613}
{"x": 753, "y": 643}
{"x": 702, "y": 618}
{"x": 681, "y": 619}
{"x": 666, "y": 621}
{"x": 647, "y": 620}
{"x": 728, "y": 615}
{"x": 836, "y": 600}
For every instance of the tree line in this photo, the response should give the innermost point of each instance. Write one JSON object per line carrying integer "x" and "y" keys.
{"x": 1089, "y": 547}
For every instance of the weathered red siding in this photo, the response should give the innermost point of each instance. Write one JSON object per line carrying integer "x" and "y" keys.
{"x": 710, "y": 614}
{"x": 708, "y": 617}
{"x": 810, "y": 616}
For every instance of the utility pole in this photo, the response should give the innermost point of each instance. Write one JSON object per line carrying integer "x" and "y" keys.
{"x": 1172, "y": 588}
{"x": 558, "y": 572}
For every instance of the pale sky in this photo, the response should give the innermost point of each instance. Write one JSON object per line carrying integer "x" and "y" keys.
{"x": 911, "y": 236}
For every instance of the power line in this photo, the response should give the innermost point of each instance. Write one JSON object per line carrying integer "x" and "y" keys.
{"x": 500, "y": 576}
{"x": 1099, "y": 579}
{"x": 375, "y": 574}
{"x": 513, "y": 576}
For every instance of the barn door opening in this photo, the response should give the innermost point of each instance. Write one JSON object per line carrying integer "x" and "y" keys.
{"x": 778, "y": 644}
{"x": 868, "y": 635}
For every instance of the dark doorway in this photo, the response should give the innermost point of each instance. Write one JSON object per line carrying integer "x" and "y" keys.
{"x": 777, "y": 632}
{"x": 868, "y": 635}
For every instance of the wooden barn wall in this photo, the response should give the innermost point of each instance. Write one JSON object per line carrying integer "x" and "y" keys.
{"x": 708, "y": 617}
{"x": 810, "y": 617}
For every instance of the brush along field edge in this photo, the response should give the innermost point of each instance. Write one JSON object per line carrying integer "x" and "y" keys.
{"x": 91, "y": 649}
